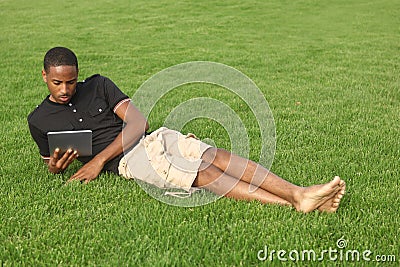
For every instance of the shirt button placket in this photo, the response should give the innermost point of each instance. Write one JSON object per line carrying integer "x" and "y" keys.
{"x": 74, "y": 110}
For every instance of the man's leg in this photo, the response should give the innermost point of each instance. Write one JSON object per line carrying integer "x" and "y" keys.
{"x": 325, "y": 197}
{"x": 215, "y": 180}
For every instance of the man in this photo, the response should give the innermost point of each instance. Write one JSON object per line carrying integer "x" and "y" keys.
{"x": 165, "y": 157}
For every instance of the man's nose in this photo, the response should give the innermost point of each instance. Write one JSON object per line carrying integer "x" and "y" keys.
{"x": 64, "y": 88}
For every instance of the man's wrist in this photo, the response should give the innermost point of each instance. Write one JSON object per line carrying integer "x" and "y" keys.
{"x": 100, "y": 159}
{"x": 53, "y": 169}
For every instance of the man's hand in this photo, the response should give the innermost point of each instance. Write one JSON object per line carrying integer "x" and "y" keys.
{"x": 88, "y": 172}
{"x": 57, "y": 165}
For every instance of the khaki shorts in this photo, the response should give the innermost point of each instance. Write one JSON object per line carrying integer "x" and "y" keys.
{"x": 165, "y": 158}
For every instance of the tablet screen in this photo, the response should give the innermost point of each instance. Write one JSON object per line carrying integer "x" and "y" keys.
{"x": 76, "y": 140}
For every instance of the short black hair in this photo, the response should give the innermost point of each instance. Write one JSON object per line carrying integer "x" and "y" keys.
{"x": 59, "y": 56}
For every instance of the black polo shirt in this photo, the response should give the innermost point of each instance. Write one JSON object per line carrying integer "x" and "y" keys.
{"x": 91, "y": 108}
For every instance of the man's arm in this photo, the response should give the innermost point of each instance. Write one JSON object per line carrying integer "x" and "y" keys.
{"x": 54, "y": 161}
{"x": 136, "y": 126}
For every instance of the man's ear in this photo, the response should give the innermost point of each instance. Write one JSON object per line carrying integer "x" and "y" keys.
{"x": 44, "y": 76}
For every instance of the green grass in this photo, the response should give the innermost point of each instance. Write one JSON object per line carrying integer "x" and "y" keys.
{"x": 330, "y": 73}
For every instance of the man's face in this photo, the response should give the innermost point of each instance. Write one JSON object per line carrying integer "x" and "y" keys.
{"x": 61, "y": 81}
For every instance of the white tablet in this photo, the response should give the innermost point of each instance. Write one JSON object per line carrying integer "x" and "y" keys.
{"x": 76, "y": 140}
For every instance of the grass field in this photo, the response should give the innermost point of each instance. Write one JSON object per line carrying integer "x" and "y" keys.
{"x": 329, "y": 71}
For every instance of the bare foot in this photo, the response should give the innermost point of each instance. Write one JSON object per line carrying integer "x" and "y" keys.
{"x": 325, "y": 197}
{"x": 331, "y": 205}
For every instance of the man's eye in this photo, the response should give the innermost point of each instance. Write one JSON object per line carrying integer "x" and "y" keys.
{"x": 71, "y": 82}
{"x": 56, "y": 83}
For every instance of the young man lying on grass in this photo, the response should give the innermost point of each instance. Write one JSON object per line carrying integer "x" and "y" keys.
{"x": 117, "y": 125}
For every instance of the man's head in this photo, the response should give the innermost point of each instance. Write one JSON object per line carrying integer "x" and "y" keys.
{"x": 60, "y": 73}
{"x": 59, "y": 56}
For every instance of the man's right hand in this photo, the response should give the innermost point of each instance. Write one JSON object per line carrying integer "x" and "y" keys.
{"x": 57, "y": 165}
